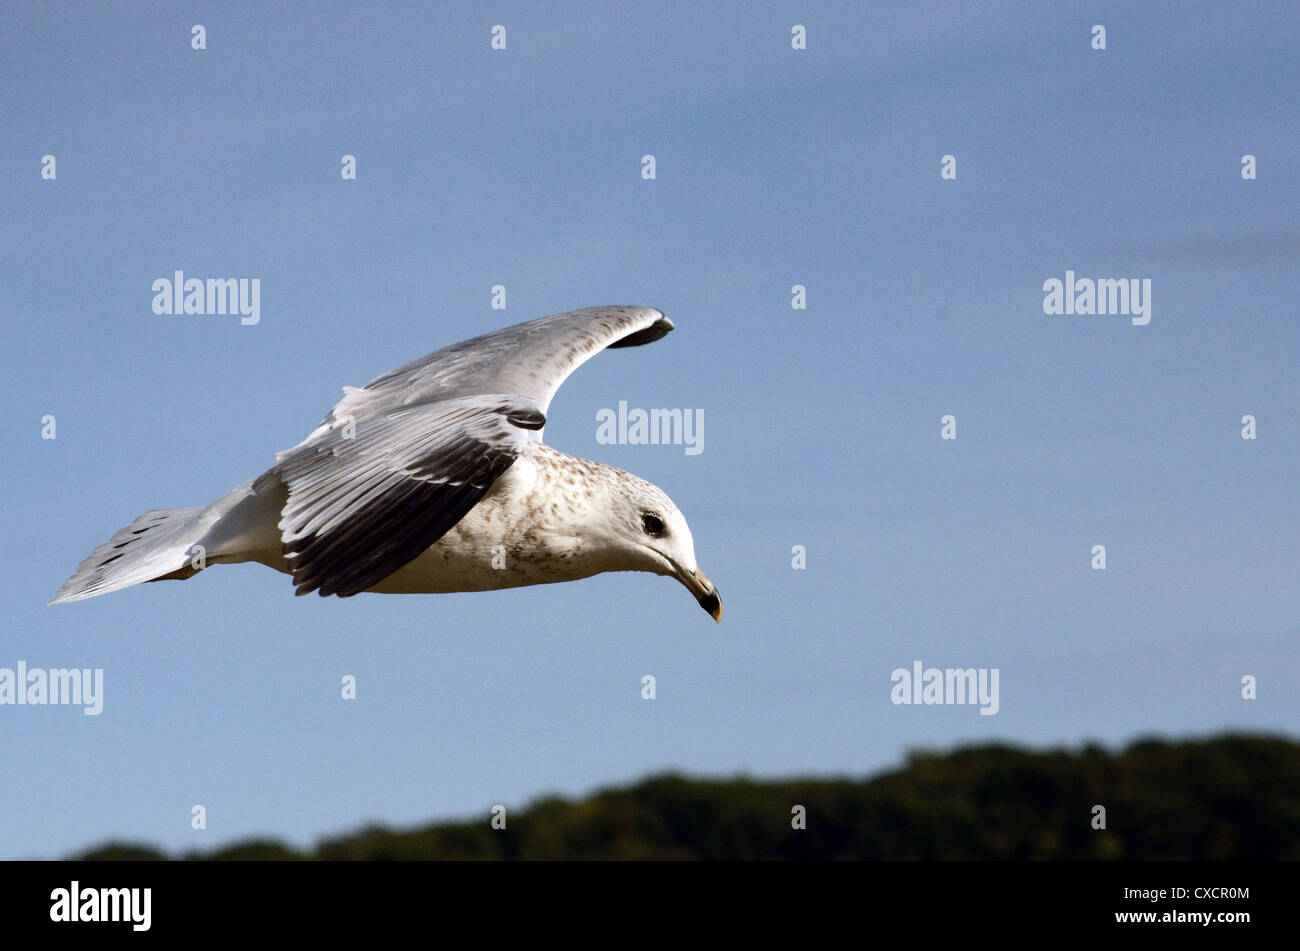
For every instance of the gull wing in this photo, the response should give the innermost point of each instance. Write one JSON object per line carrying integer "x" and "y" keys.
{"x": 366, "y": 498}
{"x": 529, "y": 360}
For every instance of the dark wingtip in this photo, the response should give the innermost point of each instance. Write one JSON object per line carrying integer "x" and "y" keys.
{"x": 650, "y": 334}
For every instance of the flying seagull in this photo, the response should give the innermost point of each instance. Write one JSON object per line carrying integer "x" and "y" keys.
{"x": 432, "y": 478}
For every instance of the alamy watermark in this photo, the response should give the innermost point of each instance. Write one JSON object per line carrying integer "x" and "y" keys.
{"x": 82, "y": 687}
{"x": 1104, "y": 297}
{"x": 948, "y": 685}
{"x": 655, "y": 427}
{"x": 76, "y": 903}
{"x": 216, "y": 296}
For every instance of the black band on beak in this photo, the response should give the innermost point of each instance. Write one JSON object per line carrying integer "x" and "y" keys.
{"x": 712, "y": 604}
{"x": 698, "y": 584}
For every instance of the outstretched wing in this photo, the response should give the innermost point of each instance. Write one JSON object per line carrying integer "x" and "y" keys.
{"x": 530, "y": 360}
{"x": 365, "y": 498}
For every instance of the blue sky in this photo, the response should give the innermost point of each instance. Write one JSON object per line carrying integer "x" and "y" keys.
{"x": 775, "y": 167}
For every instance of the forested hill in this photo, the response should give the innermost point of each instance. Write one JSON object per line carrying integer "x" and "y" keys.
{"x": 1228, "y": 797}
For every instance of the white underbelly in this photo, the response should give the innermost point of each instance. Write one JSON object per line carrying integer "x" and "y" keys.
{"x": 500, "y": 543}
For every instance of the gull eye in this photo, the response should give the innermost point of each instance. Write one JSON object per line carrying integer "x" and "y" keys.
{"x": 652, "y": 524}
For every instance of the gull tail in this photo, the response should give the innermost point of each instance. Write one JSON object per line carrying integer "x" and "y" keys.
{"x": 155, "y": 546}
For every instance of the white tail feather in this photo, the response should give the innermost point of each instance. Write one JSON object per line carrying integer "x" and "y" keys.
{"x": 156, "y": 544}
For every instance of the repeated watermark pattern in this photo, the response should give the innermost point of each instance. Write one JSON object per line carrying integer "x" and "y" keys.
{"x": 56, "y": 686}
{"x": 1102, "y": 297}
{"x": 651, "y": 427}
{"x": 216, "y": 296}
{"x": 948, "y": 685}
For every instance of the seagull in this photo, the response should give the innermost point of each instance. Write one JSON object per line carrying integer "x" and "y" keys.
{"x": 432, "y": 478}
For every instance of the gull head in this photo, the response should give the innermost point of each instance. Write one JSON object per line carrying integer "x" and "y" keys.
{"x": 650, "y": 534}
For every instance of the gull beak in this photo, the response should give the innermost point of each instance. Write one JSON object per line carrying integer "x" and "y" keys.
{"x": 698, "y": 583}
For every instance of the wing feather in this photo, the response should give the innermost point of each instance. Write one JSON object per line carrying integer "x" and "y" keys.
{"x": 530, "y": 360}
{"x": 363, "y": 503}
